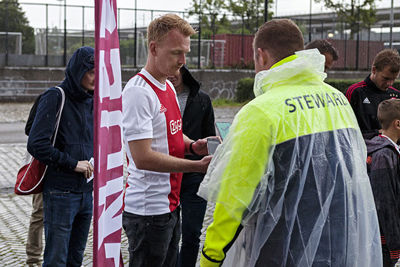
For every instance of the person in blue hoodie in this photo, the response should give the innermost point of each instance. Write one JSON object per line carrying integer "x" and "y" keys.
{"x": 67, "y": 194}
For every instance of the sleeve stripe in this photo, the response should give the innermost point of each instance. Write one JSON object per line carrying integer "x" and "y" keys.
{"x": 352, "y": 88}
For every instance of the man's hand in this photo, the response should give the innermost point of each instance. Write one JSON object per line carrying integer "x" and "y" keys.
{"x": 204, "y": 163}
{"x": 84, "y": 167}
{"x": 200, "y": 147}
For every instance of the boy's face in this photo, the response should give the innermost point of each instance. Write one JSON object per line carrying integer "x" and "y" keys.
{"x": 87, "y": 81}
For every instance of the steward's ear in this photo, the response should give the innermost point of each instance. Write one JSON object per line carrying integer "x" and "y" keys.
{"x": 263, "y": 57}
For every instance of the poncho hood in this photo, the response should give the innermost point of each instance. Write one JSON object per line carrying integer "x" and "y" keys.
{"x": 307, "y": 63}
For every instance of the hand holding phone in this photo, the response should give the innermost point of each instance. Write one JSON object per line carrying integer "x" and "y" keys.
{"x": 212, "y": 144}
{"x": 91, "y": 161}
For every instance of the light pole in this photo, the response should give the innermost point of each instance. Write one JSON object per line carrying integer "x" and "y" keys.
{"x": 266, "y": 11}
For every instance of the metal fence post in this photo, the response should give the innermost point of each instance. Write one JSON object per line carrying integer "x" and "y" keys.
{"x": 257, "y": 14}
{"x": 322, "y": 29}
{"x": 213, "y": 41}
{"x": 391, "y": 25}
{"x": 358, "y": 38}
{"x": 6, "y": 39}
{"x": 199, "y": 41}
{"x": 65, "y": 32}
{"x": 47, "y": 36}
{"x": 135, "y": 37}
{"x": 83, "y": 25}
{"x": 345, "y": 47}
{"x": 119, "y": 25}
{"x": 369, "y": 39}
{"x": 242, "y": 36}
{"x": 309, "y": 22}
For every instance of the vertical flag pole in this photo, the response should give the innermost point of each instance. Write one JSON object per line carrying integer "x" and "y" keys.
{"x": 108, "y": 152}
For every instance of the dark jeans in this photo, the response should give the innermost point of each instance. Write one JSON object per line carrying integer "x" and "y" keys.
{"x": 153, "y": 240}
{"x": 193, "y": 210}
{"x": 67, "y": 218}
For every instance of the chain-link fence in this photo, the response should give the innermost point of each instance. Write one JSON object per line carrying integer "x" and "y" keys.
{"x": 224, "y": 40}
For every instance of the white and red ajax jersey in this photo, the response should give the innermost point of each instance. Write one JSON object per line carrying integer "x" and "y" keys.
{"x": 150, "y": 111}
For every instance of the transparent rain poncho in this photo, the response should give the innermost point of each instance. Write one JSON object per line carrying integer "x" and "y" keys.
{"x": 290, "y": 181}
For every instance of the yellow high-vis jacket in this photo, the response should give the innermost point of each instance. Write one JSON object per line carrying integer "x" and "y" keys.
{"x": 290, "y": 181}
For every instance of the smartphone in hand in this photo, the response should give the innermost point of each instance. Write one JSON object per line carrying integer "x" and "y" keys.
{"x": 212, "y": 144}
{"x": 91, "y": 161}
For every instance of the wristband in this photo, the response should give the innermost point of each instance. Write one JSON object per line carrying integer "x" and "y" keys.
{"x": 191, "y": 149}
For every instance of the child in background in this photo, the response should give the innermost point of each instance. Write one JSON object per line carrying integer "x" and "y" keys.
{"x": 384, "y": 173}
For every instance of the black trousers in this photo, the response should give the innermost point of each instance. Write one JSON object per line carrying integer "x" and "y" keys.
{"x": 153, "y": 240}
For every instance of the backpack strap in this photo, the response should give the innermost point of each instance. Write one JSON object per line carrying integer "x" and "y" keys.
{"x": 58, "y": 115}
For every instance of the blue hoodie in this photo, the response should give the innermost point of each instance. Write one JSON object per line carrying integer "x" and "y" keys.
{"x": 74, "y": 140}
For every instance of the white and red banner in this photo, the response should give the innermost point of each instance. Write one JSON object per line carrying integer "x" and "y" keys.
{"x": 108, "y": 153}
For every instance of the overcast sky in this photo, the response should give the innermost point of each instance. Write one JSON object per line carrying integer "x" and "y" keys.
{"x": 36, "y": 15}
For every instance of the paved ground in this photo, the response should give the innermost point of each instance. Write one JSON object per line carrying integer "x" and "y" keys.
{"x": 15, "y": 210}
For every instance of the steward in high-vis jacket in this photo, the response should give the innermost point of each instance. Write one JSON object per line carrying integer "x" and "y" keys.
{"x": 290, "y": 180}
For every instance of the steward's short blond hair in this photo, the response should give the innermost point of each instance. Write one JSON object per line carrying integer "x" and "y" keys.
{"x": 159, "y": 27}
{"x": 281, "y": 37}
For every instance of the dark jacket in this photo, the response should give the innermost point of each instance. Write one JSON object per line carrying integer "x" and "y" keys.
{"x": 364, "y": 98}
{"x": 198, "y": 116}
{"x": 384, "y": 174}
{"x": 75, "y": 134}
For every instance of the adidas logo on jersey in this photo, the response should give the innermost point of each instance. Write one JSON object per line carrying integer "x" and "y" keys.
{"x": 366, "y": 101}
{"x": 163, "y": 109}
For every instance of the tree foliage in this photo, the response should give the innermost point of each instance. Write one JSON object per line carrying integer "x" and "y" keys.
{"x": 12, "y": 19}
{"x": 357, "y": 14}
{"x": 228, "y": 16}
{"x": 210, "y": 12}
{"x": 250, "y": 13}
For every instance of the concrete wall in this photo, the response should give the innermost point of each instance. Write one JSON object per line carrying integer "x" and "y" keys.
{"x": 25, "y": 83}
{"x": 348, "y": 75}
{"x": 218, "y": 83}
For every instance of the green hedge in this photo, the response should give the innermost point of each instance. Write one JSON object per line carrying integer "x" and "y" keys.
{"x": 244, "y": 89}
